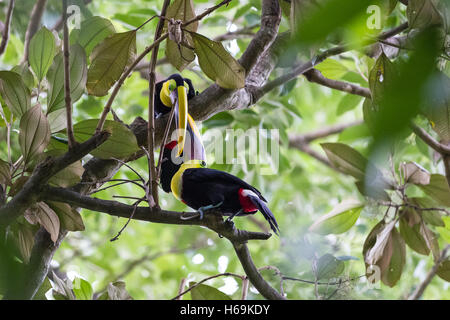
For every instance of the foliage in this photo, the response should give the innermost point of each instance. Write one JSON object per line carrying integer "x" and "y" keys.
{"x": 383, "y": 201}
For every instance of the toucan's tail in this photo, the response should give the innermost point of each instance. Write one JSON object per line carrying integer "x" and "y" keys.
{"x": 262, "y": 207}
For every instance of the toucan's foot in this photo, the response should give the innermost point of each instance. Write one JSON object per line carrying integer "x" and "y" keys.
{"x": 230, "y": 218}
{"x": 202, "y": 210}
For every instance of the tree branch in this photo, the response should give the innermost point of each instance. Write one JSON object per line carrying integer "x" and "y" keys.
{"x": 316, "y": 76}
{"x": 7, "y": 27}
{"x": 33, "y": 25}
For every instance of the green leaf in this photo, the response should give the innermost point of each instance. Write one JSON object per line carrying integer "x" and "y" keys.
{"x": 15, "y": 93}
{"x": 328, "y": 267}
{"x": 332, "y": 68}
{"x": 438, "y": 189}
{"x": 34, "y": 133}
{"x": 93, "y": 31}
{"x": 340, "y": 219}
{"x": 82, "y": 289}
{"x": 222, "y": 119}
{"x": 423, "y": 13}
{"x": 68, "y": 176}
{"x": 410, "y": 232}
{"x": 217, "y": 63}
{"x": 120, "y": 144}
{"x": 70, "y": 218}
{"x": 346, "y": 159}
{"x": 381, "y": 76}
{"x": 26, "y": 74}
{"x": 108, "y": 61}
{"x": 205, "y": 292}
{"x": 179, "y": 56}
{"x": 57, "y": 120}
{"x": 348, "y": 102}
{"x": 55, "y": 77}
{"x": 42, "y": 51}
{"x": 444, "y": 270}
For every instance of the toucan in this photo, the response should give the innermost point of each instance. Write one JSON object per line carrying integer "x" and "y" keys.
{"x": 202, "y": 188}
{"x": 176, "y": 91}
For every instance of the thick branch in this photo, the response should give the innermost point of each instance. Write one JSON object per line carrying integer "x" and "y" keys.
{"x": 7, "y": 27}
{"x": 316, "y": 76}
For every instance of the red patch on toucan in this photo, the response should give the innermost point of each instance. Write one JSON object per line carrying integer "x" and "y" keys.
{"x": 171, "y": 145}
{"x": 246, "y": 203}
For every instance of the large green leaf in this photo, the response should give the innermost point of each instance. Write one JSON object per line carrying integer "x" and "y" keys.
{"x": 34, "y": 133}
{"x": 120, "y": 144}
{"x": 217, "y": 63}
{"x": 410, "y": 232}
{"x": 444, "y": 270}
{"x": 205, "y": 292}
{"x": 346, "y": 159}
{"x": 396, "y": 255}
{"x": 15, "y": 93}
{"x": 42, "y": 51}
{"x": 55, "y": 77}
{"x": 108, "y": 61}
{"x": 93, "y": 30}
{"x": 381, "y": 76}
{"x": 340, "y": 219}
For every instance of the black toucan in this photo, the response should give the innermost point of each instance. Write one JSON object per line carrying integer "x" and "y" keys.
{"x": 176, "y": 91}
{"x": 203, "y": 188}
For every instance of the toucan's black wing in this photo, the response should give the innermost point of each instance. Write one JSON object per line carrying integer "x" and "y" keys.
{"x": 199, "y": 175}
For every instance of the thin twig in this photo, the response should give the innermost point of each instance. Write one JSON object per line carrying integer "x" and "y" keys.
{"x": 152, "y": 196}
{"x": 68, "y": 100}
{"x": 225, "y": 274}
{"x": 421, "y": 288}
{"x": 7, "y": 27}
{"x": 128, "y": 221}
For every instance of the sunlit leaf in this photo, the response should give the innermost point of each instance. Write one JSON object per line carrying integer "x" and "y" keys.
{"x": 94, "y": 30}
{"x": 34, "y": 133}
{"x": 218, "y": 64}
{"x": 332, "y": 68}
{"x": 41, "y": 52}
{"x": 82, "y": 289}
{"x": 55, "y": 77}
{"x": 340, "y": 219}
{"x": 108, "y": 61}
{"x": 120, "y": 144}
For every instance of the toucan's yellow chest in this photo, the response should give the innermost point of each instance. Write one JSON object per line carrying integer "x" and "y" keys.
{"x": 176, "y": 184}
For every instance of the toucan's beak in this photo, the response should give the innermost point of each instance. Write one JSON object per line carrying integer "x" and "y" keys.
{"x": 195, "y": 144}
{"x": 174, "y": 95}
